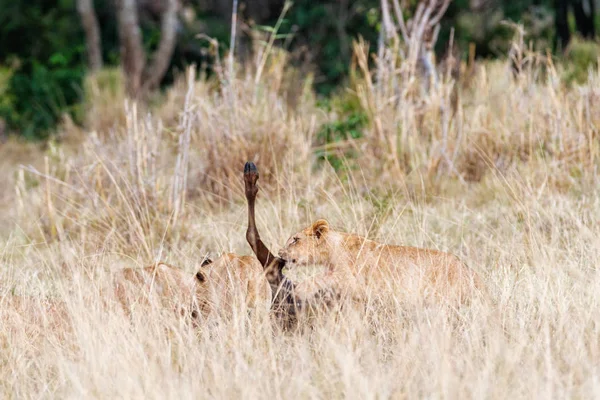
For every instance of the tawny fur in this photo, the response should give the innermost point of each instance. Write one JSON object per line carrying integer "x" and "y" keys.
{"x": 354, "y": 263}
{"x": 162, "y": 286}
{"x": 223, "y": 284}
{"x": 37, "y": 316}
{"x": 238, "y": 281}
{"x": 226, "y": 283}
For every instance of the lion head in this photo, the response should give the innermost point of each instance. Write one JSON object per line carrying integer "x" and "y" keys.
{"x": 309, "y": 246}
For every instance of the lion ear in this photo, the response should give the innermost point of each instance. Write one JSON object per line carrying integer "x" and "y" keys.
{"x": 206, "y": 261}
{"x": 320, "y": 227}
{"x": 200, "y": 277}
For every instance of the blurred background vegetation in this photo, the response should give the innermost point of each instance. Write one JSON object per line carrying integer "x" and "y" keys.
{"x": 44, "y": 44}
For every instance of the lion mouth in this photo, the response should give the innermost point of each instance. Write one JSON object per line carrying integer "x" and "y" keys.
{"x": 284, "y": 257}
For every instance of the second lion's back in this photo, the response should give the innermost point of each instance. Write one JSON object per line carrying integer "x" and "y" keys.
{"x": 159, "y": 284}
{"x": 259, "y": 291}
{"x": 234, "y": 278}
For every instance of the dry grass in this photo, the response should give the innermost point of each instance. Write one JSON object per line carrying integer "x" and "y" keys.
{"x": 507, "y": 183}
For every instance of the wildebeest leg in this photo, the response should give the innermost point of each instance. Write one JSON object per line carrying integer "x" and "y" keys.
{"x": 272, "y": 265}
{"x": 262, "y": 252}
{"x": 284, "y": 302}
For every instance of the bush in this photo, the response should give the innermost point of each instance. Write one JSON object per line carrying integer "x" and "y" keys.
{"x": 579, "y": 57}
{"x": 6, "y": 97}
{"x": 335, "y": 139}
{"x": 328, "y": 28}
{"x": 45, "y": 50}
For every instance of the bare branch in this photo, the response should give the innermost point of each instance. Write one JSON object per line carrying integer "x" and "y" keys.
{"x": 441, "y": 11}
{"x": 387, "y": 20}
{"x": 232, "y": 39}
{"x": 434, "y": 36}
{"x": 400, "y": 19}
{"x": 417, "y": 17}
{"x": 422, "y": 21}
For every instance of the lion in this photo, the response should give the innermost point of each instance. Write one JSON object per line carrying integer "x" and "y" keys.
{"x": 219, "y": 285}
{"x": 229, "y": 282}
{"x": 354, "y": 262}
{"x": 163, "y": 287}
{"x": 354, "y": 265}
{"x": 287, "y": 305}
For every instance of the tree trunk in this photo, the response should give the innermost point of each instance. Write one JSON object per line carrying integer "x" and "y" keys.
{"x": 162, "y": 56}
{"x": 584, "y": 17}
{"x": 132, "y": 53}
{"x": 563, "y": 35}
{"x": 92, "y": 33}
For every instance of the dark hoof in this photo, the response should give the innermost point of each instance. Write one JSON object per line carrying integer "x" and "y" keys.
{"x": 250, "y": 167}
{"x": 250, "y": 174}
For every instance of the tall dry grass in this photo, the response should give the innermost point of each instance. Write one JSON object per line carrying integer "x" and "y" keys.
{"x": 507, "y": 181}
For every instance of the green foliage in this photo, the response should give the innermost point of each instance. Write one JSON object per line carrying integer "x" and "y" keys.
{"x": 487, "y": 30}
{"x": 327, "y": 29}
{"x": 334, "y": 138}
{"x": 6, "y": 97}
{"x": 581, "y": 55}
{"x": 44, "y": 49}
{"x": 42, "y": 57}
{"x": 43, "y": 95}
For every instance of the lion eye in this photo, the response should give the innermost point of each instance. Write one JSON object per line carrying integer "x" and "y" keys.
{"x": 295, "y": 240}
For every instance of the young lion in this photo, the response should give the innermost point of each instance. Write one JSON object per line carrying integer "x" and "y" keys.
{"x": 223, "y": 284}
{"x": 162, "y": 286}
{"x": 354, "y": 262}
{"x": 289, "y": 300}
